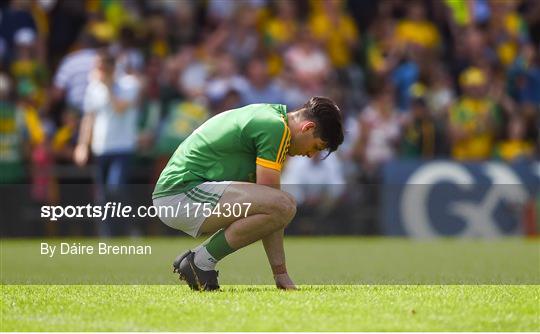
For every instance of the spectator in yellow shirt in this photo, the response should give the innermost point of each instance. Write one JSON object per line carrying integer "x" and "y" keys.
{"x": 279, "y": 33}
{"x": 280, "y": 30}
{"x": 416, "y": 30}
{"x": 515, "y": 146}
{"x": 473, "y": 118}
{"x": 507, "y": 30}
{"x": 335, "y": 30}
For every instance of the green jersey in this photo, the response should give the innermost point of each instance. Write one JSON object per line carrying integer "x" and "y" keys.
{"x": 228, "y": 147}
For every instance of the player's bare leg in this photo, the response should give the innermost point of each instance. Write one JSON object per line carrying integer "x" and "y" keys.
{"x": 269, "y": 212}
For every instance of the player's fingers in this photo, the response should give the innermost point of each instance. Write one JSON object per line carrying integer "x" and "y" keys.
{"x": 287, "y": 287}
{"x": 285, "y": 283}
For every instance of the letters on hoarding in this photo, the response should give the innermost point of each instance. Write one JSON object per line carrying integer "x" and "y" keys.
{"x": 447, "y": 198}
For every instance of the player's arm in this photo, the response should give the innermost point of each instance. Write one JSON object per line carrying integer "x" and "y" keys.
{"x": 269, "y": 177}
{"x": 273, "y": 243}
{"x": 271, "y": 139}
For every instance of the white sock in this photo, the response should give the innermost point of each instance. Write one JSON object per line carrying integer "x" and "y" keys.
{"x": 203, "y": 259}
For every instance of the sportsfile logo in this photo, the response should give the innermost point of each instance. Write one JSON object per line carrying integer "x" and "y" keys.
{"x": 119, "y": 210}
{"x": 103, "y": 212}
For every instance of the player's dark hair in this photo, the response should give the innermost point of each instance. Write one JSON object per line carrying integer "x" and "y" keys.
{"x": 327, "y": 116}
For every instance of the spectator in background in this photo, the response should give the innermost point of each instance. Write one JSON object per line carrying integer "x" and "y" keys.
{"x": 66, "y": 21}
{"x": 439, "y": 97}
{"x": 12, "y": 129}
{"x": 109, "y": 126}
{"x": 406, "y": 73}
{"x": 182, "y": 117}
{"x": 308, "y": 64}
{"x": 412, "y": 44}
{"x": 303, "y": 178}
{"x": 261, "y": 88}
{"x": 71, "y": 78}
{"x": 129, "y": 56}
{"x": 65, "y": 137}
{"x": 184, "y": 14}
{"x": 416, "y": 30}
{"x": 473, "y": 118}
{"x": 12, "y": 156}
{"x": 507, "y": 30}
{"x": 459, "y": 14}
{"x": 26, "y": 67}
{"x": 279, "y": 32}
{"x": 419, "y": 131}
{"x": 530, "y": 10}
{"x": 281, "y": 29}
{"x": 15, "y": 17}
{"x": 151, "y": 104}
{"x": 231, "y": 100}
{"x": 472, "y": 50}
{"x": 190, "y": 72}
{"x": 497, "y": 92}
{"x": 157, "y": 44}
{"x": 24, "y": 157}
{"x": 243, "y": 39}
{"x": 515, "y": 145}
{"x": 36, "y": 138}
{"x": 28, "y": 106}
{"x": 379, "y": 132}
{"x": 381, "y": 52}
{"x": 226, "y": 77}
{"x": 524, "y": 88}
{"x": 335, "y": 30}
{"x": 439, "y": 91}
{"x": 220, "y": 11}
{"x": 185, "y": 107}
{"x": 524, "y": 76}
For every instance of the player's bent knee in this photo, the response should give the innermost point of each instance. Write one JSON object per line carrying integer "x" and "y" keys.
{"x": 292, "y": 200}
{"x": 291, "y": 210}
{"x": 281, "y": 209}
{"x": 287, "y": 210}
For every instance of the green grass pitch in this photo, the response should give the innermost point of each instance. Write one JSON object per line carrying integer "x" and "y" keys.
{"x": 337, "y": 292}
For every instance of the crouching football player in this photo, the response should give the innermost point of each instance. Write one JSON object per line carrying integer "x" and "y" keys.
{"x": 225, "y": 180}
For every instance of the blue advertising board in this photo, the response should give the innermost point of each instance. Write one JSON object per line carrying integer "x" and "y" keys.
{"x": 448, "y": 198}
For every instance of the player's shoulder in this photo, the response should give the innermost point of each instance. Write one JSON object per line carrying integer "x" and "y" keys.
{"x": 266, "y": 107}
{"x": 267, "y": 113}
{"x": 269, "y": 118}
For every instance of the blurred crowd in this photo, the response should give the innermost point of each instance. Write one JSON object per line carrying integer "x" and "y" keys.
{"x": 120, "y": 83}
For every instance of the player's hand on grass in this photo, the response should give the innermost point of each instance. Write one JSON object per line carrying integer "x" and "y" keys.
{"x": 283, "y": 281}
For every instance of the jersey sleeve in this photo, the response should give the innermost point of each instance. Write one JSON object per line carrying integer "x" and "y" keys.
{"x": 271, "y": 138}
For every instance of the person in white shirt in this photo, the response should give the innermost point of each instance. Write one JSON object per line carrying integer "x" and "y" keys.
{"x": 380, "y": 130}
{"x": 317, "y": 185}
{"x": 109, "y": 125}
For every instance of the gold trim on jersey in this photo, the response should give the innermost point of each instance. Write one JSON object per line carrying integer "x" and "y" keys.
{"x": 284, "y": 154}
{"x": 268, "y": 164}
{"x": 284, "y": 144}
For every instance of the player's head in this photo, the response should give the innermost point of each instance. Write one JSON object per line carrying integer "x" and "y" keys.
{"x": 316, "y": 127}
